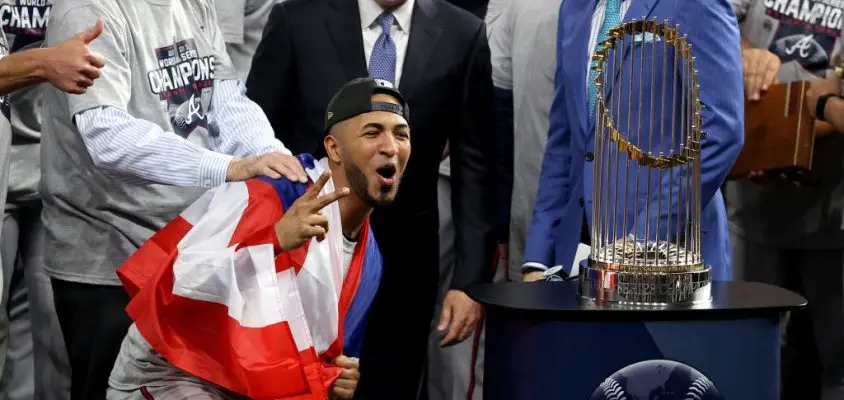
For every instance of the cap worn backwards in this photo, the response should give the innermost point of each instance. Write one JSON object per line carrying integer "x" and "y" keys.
{"x": 355, "y": 98}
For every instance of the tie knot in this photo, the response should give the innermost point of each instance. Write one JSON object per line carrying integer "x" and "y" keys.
{"x": 386, "y": 21}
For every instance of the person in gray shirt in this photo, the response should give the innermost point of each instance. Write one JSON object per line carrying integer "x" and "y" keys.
{"x": 167, "y": 120}
{"x": 242, "y": 23}
{"x": 69, "y": 66}
{"x": 36, "y": 360}
{"x": 780, "y": 233}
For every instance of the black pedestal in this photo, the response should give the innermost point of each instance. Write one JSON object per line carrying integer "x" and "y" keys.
{"x": 544, "y": 342}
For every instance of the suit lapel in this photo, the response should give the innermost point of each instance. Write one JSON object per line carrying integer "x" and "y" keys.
{"x": 424, "y": 33}
{"x": 639, "y": 10}
{"x": 346, "y": 34}
{"x": 580, "y": 48}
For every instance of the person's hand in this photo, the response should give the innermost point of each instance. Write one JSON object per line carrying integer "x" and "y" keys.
{"x": 460, "y": 316}
{"x": 818, "y": 88}
{"x": 759, "y": 68}
{"x": 303, "y": 220}
{"x": 271, "y": 165}
{"x": 71, "y": 66}
{"x": 533, "y": 276}
{"x": 344, "y": 386}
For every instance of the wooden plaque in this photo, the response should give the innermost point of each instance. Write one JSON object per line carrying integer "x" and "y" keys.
{"x": 779, "y": 132}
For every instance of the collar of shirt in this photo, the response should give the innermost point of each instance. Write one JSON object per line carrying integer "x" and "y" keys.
{"x": 370, "y": 10}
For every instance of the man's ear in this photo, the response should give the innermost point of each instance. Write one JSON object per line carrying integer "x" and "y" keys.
{"x": 332, "y": 148}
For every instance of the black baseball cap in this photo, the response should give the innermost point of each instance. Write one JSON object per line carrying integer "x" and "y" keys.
{"x": 355, "y": 98}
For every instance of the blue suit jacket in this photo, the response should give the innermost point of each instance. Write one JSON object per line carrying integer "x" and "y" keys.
{"x": 565, "y": 185}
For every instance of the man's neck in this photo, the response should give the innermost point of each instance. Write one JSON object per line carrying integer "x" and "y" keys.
{"x": 353, "y": 211}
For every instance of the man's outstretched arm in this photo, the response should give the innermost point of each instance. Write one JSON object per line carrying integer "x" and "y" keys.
{"x": 70, "y": 66}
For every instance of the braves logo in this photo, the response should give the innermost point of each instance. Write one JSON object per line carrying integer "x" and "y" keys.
{"x": 194, "y": 110}
{"x": 804, "y": 45}
{"x": 806, "y": 49}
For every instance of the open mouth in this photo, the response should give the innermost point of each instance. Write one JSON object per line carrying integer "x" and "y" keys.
{"x": 387, "y": 174}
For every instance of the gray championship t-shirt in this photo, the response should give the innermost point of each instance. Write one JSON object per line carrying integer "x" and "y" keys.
{"x": 805, "y": 35}
{"x": 25, "y": 24}
{"x": 162, "y": 59}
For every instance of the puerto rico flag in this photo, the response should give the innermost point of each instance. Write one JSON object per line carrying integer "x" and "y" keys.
{"x": 215, "y": 296}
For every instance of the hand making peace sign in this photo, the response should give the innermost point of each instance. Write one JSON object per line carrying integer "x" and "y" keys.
{"x": 302, "y": 220}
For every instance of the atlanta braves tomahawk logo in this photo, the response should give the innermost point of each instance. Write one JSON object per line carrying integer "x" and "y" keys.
{"x": 184, "y": 82}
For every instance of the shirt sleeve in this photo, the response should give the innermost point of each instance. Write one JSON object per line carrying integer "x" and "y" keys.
{"x": 139, "y": 151}
{"x": 113, "y": 88}
{"x": 501, "y": 44}
{"x": 243, "y": 126}
{"x": 230, "y": 19}
{"x": 223, "y": 67}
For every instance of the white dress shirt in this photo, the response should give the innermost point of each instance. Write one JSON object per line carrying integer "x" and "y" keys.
{"x": 371, "y": 30}
{"x": 140, "y": 152}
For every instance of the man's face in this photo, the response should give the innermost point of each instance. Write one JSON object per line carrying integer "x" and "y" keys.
{"x": 374, "y": 152}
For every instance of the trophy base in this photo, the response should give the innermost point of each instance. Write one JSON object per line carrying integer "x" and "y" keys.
{"x": 644, "y": 289}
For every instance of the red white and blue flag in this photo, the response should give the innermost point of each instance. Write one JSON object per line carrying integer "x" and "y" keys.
{"x": 215, "y": 296}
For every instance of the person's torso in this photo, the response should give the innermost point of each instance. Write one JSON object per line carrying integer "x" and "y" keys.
{"x": 805, "y": 35}
{"x": 433, "y": 76}
{"x": 168, "y": 46}
{"x": 25, "y": 25}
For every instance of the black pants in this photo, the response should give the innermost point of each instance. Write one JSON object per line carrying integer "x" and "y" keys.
{"x": 93, "y": 321}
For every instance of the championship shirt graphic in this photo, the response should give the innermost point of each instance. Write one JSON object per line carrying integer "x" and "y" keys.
{"x": 184, "y": 82}
{"x": 25, "y": 21}
{"x": 807, "y": 31}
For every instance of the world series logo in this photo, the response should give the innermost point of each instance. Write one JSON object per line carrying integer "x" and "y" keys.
{"x": 184, "y": 82}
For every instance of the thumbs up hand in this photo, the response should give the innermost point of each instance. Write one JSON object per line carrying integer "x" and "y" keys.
{"x": 72, "y": 66}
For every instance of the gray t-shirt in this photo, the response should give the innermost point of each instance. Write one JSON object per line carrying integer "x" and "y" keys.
{"x": 805, "y": 35}
{"x": 25, "y": 24}
{"x": 242, "y": 23}
{"x": 163, "y": 57}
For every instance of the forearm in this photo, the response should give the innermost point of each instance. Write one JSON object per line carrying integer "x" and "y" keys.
{"x": 140, "y": 151}
{"x": 22, "y": 69}
{"x": 244, "y": 129}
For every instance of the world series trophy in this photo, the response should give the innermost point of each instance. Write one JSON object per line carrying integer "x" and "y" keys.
{"x": 646, "y": 209}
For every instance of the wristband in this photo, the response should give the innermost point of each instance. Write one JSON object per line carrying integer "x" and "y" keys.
{"x": 819, "y": 108}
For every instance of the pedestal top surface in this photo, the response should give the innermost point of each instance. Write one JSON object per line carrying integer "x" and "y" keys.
{"x": 739, "y": 298}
